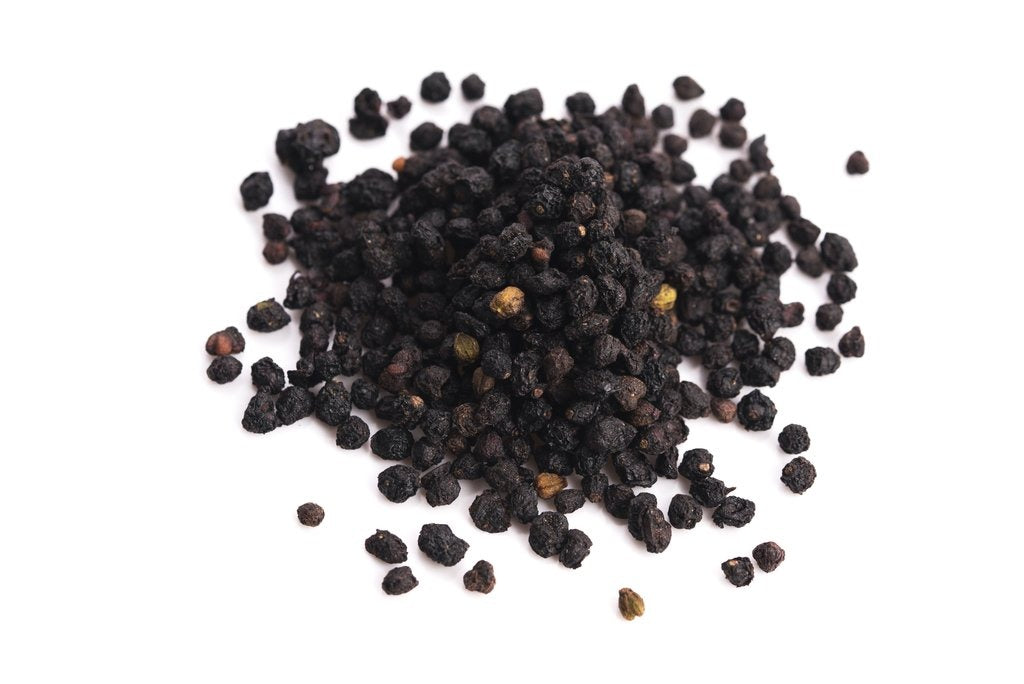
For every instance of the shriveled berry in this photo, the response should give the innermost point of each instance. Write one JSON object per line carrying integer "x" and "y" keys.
{"x": 686, "y": 88}
{"x": 739, "y": 571}
{"x": 352, "y": 433}
{"x": 398, "y": 483}
{"x": 435, "y": 87}
{"x": 260, "y": 415}
{"x": 387, "y": 547}
{"x": 841, "y": 288}
{"x": 224, "y": 369}
{"x": 837, "y": 253}
{"x": 440, "y": 486}
{"x": 710, "y": 491}
{"x": 399, "y": 581}
{"x": 732, "y": 110}
{"x": 575, "y": 549}
{"x": 756, "y": 411}
{"x": 734, "y": 511}
{"x": 426, "y": 136}
{"x": 399, "y": 107}
{"x": 569, "y": 500}
{"x": 732, "y": 135}
{"x": 821, "y": 361}
{"x": 794, "y": 439}
{"x": 799, "y": 475}
{"x": 472, "y": 87}
{"x": 723, "y": 409}
{"x": 481, "y": 576}
{"x": 697, "y": 464}
{"x": 294, "y": 404}
{"x": 392, "y": 443}
{"x": 852, "y": 343}
{"x": 256, "y": 190}
{"x": 267, "y": 316}
{"x": 548, "y": 533}
{"x": 828, "y": 316}
{"x": 489, "y": 513}
{"x": 768, "y": 556}
{"x": 684, "y": 512}
{"x": 441, "y": 545}
{"x": 310, "y": 514}
{"x": 267, "y": 375}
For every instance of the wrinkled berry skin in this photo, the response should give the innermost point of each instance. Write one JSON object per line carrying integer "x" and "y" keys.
{"x": 821, "y": 361}
{"x": 697, "y": 464}
{"x": 267, "y": 316}
{"x": 472, "y": 87}
{"x": 799, "y": 474}
{"x": 710, "y": 491}
{"x": 686, "y": 88}
{"x": 387, "y": 547}
{"x": 310, "y": 514}
{"x": 739, "y": 571}
{"x": 489, "y": 513}
{"x": 392, "y": 443}
{"x": 734, "y": 511}
{"x": 441, "y": 545}
{"x": 440, "y": 486}
{"x": 267, "y": 375}
{"x": 352, "y": 433}
{"x": 548, "y": 533}
{"x": 294, "y": 404}
{"x": 768, "y": 556}
{"x": 260, "y": 415}
{"x": 756, "y": 412}
{"x": 575, "y": 549}
{"x": 399, "y": 581}
{"x": 256, "y": 190}
{"x": 684, "y": 512}
{"x": 399, "y": 107}
{"x": 794, "y": 439}
{"x": 224, "y": 369}
{"x": 480, "y": 578}
{"x": 398, "y": 483}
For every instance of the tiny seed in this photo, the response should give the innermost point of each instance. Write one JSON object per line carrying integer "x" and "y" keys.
{"x": 508, "y": 302}
{"x": 665, "y": 299}
{"x": 630, "y": 604}
{"x": 549, "y": 484}
{"x": 467, "y": 349}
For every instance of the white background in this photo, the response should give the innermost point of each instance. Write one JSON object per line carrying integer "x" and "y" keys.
{"x": 145, "y": 537}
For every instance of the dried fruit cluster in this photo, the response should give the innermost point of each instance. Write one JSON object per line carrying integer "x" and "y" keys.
{"x": 521, "y": 297}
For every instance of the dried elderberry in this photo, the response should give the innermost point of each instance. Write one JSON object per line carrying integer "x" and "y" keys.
{"x": 739, "y": 571}
{"x": 398, "y": 581}
{"x": 768, "y": 556}
{"x": 756, "y": 411}
{"x": 352, "y": 433}
{"x": 441, "y": 545}
{"x": 224, "y": 369}
{"x": 630, "y": 604}
{"x": 481, "y": 577}
{"x": 435, "y": 87}
{"x": 310, "y": 514}
{"x": 256, "y": 190}
{"x": 387, "y": 547}
{"x": 734, "y": 512}
{"x": 857, "y": 164}
{"x": 799, "y": 474}
{"x": 472, "y": 87}
{"x": 852, "y": 343}
{"x": 794, "y": 439}
{"x": 821, "y": 361}
{"x": 548, "y": 533}
{"x": 398, "y": 483}
{"x": 575, "y": 549}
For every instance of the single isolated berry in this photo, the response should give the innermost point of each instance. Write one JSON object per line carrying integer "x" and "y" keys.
{"x": 256, "y": 190}
{"x": 480, "y": 578}
{"x": 739, "y": 571}
{"x": 799, "y": 474}
{"x": 857, "y": 164}
{"x": 398, "y": 581}
{"x": 768, "y": 556}
{"x": 794, "y": 439}
{"x": 310, "y": 514}
{"x": 387, "y": 547}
